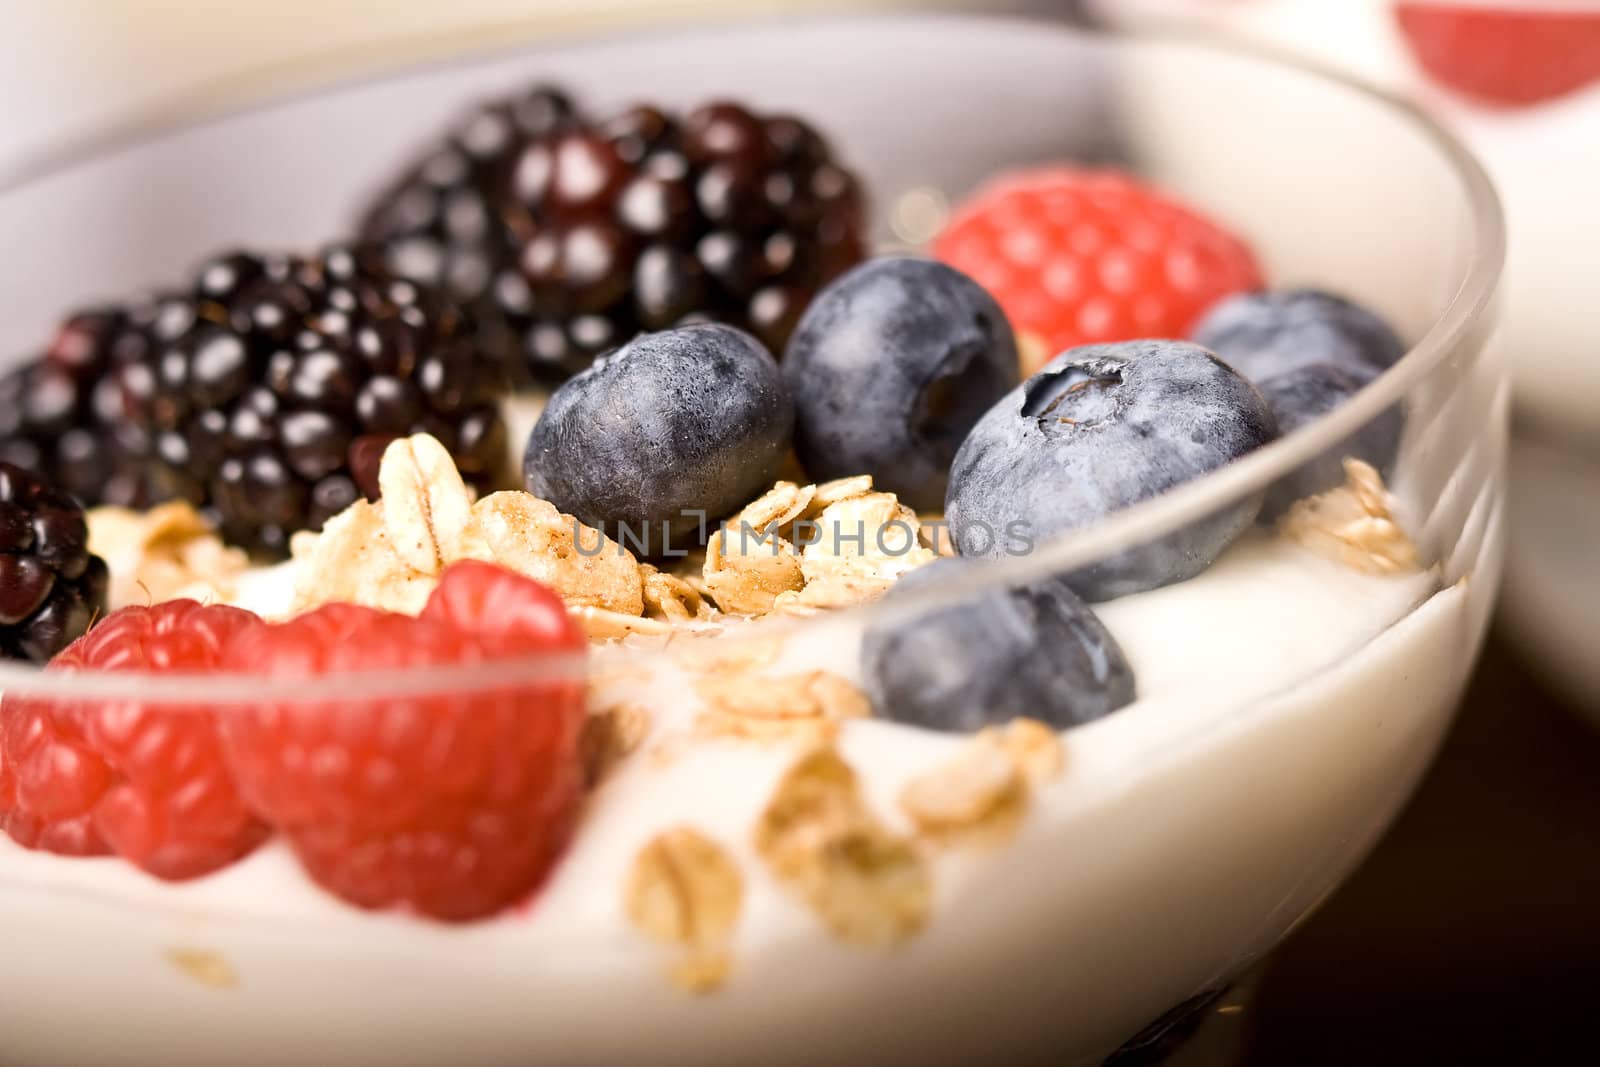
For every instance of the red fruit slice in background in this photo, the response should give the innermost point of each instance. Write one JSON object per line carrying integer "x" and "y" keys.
{"x": 1511, "y": 55}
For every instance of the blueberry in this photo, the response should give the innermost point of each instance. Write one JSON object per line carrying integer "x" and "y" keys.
{"x": 1099, "y": 428}
{"x": 1036, "y": 651}
{"x": 686, "y": 421}
{"x": 1304, "y": 394}
{"x": 890, "y": 367}
{"x": 1266, "y": 334}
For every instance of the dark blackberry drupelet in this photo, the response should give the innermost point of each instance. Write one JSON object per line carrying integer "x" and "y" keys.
{"x": 268, "y": 397}
{"x": 639, "y": 222}
{"x": 61, "y": 414}
{"x": 51, "y": 588}
{"x": 441, "y": 223}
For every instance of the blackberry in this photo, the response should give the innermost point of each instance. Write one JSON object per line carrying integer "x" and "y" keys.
{"x": 599, "y": 230}
{"x": 440, "y": 223}
{"x": 265, "y": 396}
{"x": 61, "y": 415}
{"x": 51, "y": 588}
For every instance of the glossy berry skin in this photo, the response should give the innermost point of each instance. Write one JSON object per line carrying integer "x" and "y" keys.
{"x": 1299, "y": 397}
{"x": 62, "y": 416}
{"x": 1265, "y": 334}
{"x": 890, "y": 368}
{"x": 572, "y": 238}
{"x": 671, "y": 432}
{"x": 51, "y": 587}
{"x": 1088, "y": 256}
{"x": 265, "y": 396}
{"x": 452, "y": 801}
{"x": 144, "y": 781}
{"x": 1099, "y": 428}
{"x": 1508, "y": 55}
{"x": 1036, "y": 651}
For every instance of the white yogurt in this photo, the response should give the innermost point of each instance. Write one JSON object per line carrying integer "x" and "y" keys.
{"x": 1286, "y": 706}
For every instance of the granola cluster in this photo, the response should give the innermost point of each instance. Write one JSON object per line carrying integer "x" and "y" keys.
{"x": 798, "y": 548}
{"x": 389, "y": 554}
{"x": 867, "y": 884}
{"x": 165, "y": 553}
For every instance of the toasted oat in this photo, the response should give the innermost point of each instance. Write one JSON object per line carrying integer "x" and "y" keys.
{"x": 983, "y": 791}
{"x": 166, "y": 552}
{"x": 425, "y": 503}
{"x": 862, "y": 544}
{"x": 669, "y": 597}
{"x": 210, "y": 969}
{"x": 840, "y": 489}
{"x": 1353, "y": 524}
{"x": 521, "y": 532}
{"x": 1035, "y": 748}
{"x": 806, "y": 695}
{"x": 686, "y": 890}
{"x": 353, "y": 560}
{"x": 979, "y": 784}
{"x": 389, "y": 555}
{"x": 867, "y": 884}
{"x": 778, "y": 506}
{"x": 701, "y": 972}
{"x": 799, "y": 549}
{"x": 600, "y": 624}
{"x": 935, "y": 535}
{"x": 611, "y": 734}
{"x": 746, "y": 569}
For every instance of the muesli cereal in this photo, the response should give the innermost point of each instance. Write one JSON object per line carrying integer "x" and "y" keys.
{"x": 867, "y": 884}
{"x": 1354, "y": 524}
{"x": 685, "y": 890}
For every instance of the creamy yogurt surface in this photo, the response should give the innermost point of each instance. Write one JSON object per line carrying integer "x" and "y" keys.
{"x": 1267, "y": 617}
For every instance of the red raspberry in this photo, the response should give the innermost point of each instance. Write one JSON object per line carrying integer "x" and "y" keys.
{"x": 1085, "y": 256}
{"x": 1510, "y": 56}
{"x": 146, "y": 781}
{"x": 454, "y": 802}
{"x": 501, "y": 605}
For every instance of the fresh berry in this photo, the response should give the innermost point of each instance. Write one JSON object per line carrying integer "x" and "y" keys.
{"x": 145, "y": 781}
{"x": 453, "y": 801}
{"x": 668, "y": 434}
{"x": 1265, "y": 334}
{"x": 890, "y": 367}
{"x": 1100, "y": 428}
{"x": 61, "y": 415}
{"x": 1298, "y": 397}
{"x": 501, "y": 608}
{"x": 266, "y": 395}
{"x": 1509, "y": 55}
{"x": 1087, "y": 256}
{"x": 575, "y": 235}
{"x": 51, "y": 587}
{"x": 441, "y": 222}
{"x": 1035, "y": 651}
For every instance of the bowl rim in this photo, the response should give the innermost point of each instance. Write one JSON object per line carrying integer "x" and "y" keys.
{"x": 1466, "y": 307}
